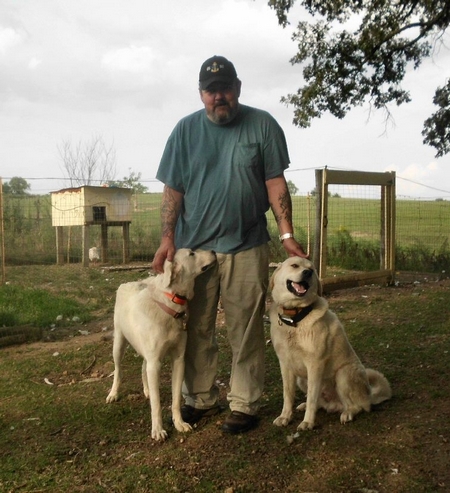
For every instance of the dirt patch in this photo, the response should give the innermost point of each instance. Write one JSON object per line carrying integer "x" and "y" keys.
{"x": 402, "y": 446}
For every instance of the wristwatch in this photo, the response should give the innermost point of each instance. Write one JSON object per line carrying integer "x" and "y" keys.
{"x": 285, "y": 236}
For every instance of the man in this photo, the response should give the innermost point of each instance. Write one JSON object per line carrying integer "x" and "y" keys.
{"x": 222, "y": 169}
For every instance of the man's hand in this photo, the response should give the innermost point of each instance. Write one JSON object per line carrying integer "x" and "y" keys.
{"x": 165, "y": 251}
{"x": 170, "y": 209}
{"x": 293, "y": 248}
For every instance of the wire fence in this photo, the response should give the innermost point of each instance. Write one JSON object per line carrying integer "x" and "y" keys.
{"x": 29, "y": 233}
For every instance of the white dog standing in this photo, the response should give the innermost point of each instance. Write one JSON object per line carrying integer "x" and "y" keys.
{"x": 314, "y": 351}
{"x": 149, "y": 315}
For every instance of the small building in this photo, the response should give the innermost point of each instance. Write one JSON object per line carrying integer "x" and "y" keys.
{"x": 87, "y": 206}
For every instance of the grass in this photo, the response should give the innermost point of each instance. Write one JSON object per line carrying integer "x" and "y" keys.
{"x": 63, "y": 437}
{"x": 59, "y": 300}
{"x": 37, "y": 307}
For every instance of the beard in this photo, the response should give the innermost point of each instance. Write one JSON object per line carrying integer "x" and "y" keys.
{"x": 223, "y": 114}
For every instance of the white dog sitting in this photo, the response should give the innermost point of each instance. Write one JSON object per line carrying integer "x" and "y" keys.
{"x": 314, "y": 351}
{"x": 149, "y": 315}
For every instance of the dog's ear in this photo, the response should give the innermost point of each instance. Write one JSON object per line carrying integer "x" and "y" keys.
{"x": 171, "y": 271}
{"x": 319, "y": 285}
{"x": 168, "y": 273}
{"x": 272, "y": 278}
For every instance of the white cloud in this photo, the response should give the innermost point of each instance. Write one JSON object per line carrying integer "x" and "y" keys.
{"x": 129, "y": 71}
{"x": 9, "y": 38}
{"x": 133, "y": 59}
{"x": 420, "y": 180}
{"x": 33, "y": 63}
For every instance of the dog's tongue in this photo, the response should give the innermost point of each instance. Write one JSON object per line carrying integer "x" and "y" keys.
{"x": 298, "y": 288}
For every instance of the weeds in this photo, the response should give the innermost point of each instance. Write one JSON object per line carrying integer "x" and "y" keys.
{"x": 70, "y": 440}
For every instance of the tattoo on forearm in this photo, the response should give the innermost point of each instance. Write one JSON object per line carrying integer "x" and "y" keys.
{"x": 169, "y": 213}
{"x": 285, "y": 208}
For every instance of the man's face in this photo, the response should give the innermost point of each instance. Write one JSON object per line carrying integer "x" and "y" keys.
{"x": 221, "y": 101}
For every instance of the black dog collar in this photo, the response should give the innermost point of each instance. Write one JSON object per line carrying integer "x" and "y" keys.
{"x": 298, "y": 314}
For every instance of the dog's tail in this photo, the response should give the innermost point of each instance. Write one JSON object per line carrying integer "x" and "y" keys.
{"x": 380, "y": 390}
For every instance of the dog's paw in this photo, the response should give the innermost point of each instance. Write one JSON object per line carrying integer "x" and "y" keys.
{"x": 281, "y": 421}
{"x": 182, "y": 426}
{"x": 159, "y": 435}
{"x": 112, "y": 397}
{"x": 346, "y": 417}
{"x": 301, "y": 407}
{"x": 304, "y": 425}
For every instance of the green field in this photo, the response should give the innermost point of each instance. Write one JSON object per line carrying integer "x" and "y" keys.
{"x": 422, "y": 232}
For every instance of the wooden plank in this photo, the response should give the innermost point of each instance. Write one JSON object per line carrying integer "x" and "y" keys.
{"x": 336, "y": 177}
{"x": 381, "y": 277}
{"x": 19, "y": 335}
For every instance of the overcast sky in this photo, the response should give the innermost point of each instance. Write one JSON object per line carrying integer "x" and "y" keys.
{"x": 128, "y": 70}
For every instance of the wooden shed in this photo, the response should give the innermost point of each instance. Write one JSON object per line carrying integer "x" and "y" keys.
{"x": 88, "y": 206}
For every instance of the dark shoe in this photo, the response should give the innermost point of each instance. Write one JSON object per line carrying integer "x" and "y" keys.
{"x": 238, "y": 422}
{"x": 192, "y": 415}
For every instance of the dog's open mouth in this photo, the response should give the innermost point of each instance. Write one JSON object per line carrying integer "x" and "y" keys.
{"x": 297, "y": 288}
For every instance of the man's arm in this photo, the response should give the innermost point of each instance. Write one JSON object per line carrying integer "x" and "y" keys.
{"x": 281, "y": 205}
{"x": 170, "y": 210}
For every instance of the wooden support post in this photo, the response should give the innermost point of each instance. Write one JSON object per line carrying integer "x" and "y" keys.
{"x": 104, "y": 243}
{"x": 85, "y": 246}
{"x": 126, "y": 242}
{"x": 59, "y": 245}
{"x": 318, "y": 230}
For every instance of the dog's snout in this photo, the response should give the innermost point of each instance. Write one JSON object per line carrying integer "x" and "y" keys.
{"x": 307, "y": 274}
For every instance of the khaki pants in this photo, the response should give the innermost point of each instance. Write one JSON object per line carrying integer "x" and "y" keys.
{"x": 241, "y": 281}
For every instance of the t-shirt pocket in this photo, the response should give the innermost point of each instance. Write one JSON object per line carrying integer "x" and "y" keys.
{"x": 247, "y": 155}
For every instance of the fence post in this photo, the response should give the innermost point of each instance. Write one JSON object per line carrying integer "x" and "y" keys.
{"x": 317, "y": 233}
{"x": 85, "y": 245}
{"x": 59, "y": 245}
{"x": 2, "y": 233}
{"x": 126, "y": 242}
{"x": 320, "y": 238}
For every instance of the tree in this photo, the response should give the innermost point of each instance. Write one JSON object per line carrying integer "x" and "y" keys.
{"x": 347, "y": 67}
{"x": 132, "y": 181}
{"x": 16, "y": 186}
{"x": 88, "y": 163}
{"x": 436, "y": 130}
{"x": 293, "y": 190}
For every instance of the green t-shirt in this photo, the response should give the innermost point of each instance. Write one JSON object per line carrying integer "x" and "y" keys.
{"x": 221, "y": 170}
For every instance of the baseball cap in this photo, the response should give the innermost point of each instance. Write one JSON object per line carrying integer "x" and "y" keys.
{"x": 216, "y": 69}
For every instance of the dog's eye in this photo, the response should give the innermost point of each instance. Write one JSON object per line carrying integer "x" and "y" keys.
{"x": 295, "y": 266}
{"x": 191, "y": 253}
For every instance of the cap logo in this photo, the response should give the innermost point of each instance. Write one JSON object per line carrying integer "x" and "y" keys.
{"x": 215, "y": 67}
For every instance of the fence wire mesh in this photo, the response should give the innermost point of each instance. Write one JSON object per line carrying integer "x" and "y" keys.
{"x": 29, "y": 231}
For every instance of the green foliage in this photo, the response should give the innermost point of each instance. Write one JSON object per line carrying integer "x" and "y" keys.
{"x": 131, "y": 181}
{"x": 429, "y": 260}
{"x": 345, "y": 66}
{"x": 16, "y": 186}
{"x": 28, "y": 229}
{"x": 436, "y": 129}
{"x": 293, "y": 189}
{"x": 348, "y": 253}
